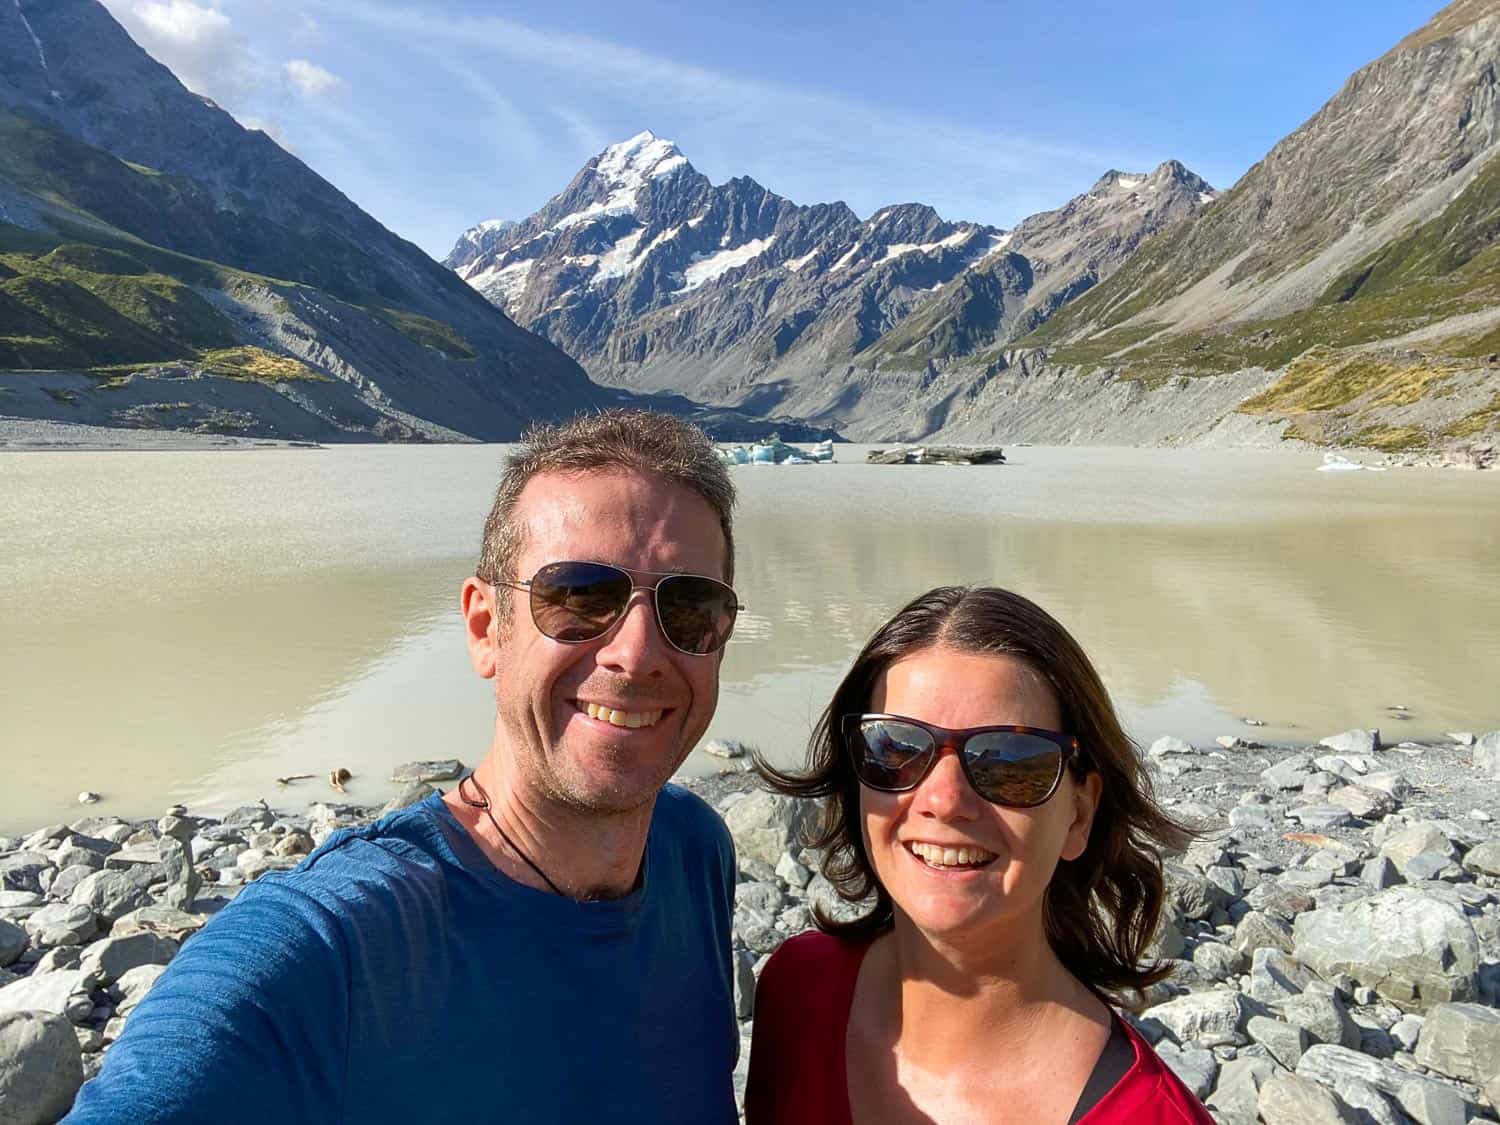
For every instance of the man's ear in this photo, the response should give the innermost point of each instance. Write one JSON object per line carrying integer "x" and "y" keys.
{"x": 1085, "y": 805}
{"x": 477, "y": 603}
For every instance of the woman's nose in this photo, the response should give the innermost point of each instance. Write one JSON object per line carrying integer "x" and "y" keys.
{"x": 945, "y": 792}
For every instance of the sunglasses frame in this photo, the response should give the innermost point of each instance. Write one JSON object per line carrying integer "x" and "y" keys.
{"x": 957, "y": 739}
{"x": 660, "y": 576}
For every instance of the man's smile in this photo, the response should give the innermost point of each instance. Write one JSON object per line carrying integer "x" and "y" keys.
{"x": 619, "y": 717}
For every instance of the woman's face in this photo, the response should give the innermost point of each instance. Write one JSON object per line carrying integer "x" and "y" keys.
{"x": 1011, "y": 852}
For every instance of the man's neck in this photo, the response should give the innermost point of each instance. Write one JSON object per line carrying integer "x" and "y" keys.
{"x": 586, "y": 855}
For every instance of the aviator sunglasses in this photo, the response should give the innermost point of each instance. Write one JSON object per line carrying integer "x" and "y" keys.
{"x": 575, "y": 602}
{"x": 1018, "y": 767}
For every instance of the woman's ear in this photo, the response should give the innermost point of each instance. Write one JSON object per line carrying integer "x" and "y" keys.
{"x": 1085, "y": 805}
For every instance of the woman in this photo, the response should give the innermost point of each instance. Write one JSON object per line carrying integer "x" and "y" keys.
{"x": 977, "y": 786}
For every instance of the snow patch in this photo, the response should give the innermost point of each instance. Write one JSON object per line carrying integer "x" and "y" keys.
{"x": 1207, "y": 196}
{"x": 716, "y": 265}
{"x": 40, "y": 54}
{"x": 625, "y": 168}
{"x": 796, "y": 264}
{"x": 1129, "y": 183}
{"x": 619, "y": 260}
{"x": 845, "y": 260}
{"x": 897, "y": 249}
{"x": 505, "y": 284}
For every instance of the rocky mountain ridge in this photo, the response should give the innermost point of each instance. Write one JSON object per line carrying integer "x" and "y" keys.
{"x": 163, "y": 267}
{"x": 656, "y": 279}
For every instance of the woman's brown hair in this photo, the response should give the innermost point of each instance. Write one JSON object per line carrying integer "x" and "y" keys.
{"x": 1101, "y": 909}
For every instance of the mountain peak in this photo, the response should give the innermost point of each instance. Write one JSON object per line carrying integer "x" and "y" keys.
{"x": 641, "y": 157}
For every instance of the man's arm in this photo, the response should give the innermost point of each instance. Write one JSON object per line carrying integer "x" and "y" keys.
{"x": 249, "y": 1023}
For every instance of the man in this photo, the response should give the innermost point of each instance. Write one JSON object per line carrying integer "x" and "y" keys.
{"x": 551, "y": 940}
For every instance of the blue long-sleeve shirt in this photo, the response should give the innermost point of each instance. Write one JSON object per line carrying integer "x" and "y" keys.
{"x": 397, "y": 976}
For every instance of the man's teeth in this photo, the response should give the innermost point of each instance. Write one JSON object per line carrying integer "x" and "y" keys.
{"x": 621, "y": 718}
{"x": 935, "y": 856}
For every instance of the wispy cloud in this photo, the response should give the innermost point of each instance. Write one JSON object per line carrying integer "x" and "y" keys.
{"x": 196, "y": 41}
{"x": 797, "y": 139}
{"x": 310, "y": 79}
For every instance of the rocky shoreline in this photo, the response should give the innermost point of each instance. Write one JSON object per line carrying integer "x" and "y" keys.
{"x": 1334, "y": 934}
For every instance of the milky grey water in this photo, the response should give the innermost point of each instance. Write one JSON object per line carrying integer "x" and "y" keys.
{"x": 189, "y": 626}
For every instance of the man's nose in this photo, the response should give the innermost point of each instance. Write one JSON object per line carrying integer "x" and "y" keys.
{"x": 636, "y": 643}
{"x": 945, "y": 793}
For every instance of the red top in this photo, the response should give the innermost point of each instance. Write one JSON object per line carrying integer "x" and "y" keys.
{"x": 797, "y": 1071}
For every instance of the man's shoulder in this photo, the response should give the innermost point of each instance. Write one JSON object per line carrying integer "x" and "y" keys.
{"x": 361, "y": 870}
{"x": 680, "y": 810}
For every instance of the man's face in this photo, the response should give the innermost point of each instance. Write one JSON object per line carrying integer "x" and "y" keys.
{"x": 543, "y": 687}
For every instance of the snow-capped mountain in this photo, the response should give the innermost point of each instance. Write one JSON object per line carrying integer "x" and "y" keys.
{"x": 655, "y": 278}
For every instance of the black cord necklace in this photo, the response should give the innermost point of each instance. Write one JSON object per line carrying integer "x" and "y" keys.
{"x": 484, "y": 805}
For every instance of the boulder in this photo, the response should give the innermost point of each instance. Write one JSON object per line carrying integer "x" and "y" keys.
{"x": 21, "y": 871}
{"x": 1274, "y": 976}
{"x": 13, "y": 941}
{"x": 1287, "y": 1099}
{"x": 1291, "y": 772}
{"x": 109, "y": 894}
{"x": 1420, "y": 838}
{"x": 1284, "y": 1041}
{"x": 1237, "y": 1092}
{"x": 744, "y": 984}
{"x": 183, "y": 880}
{"x": 1169, "y": 745}
{"x": 61, "y": 923}
{"x": 1484, "y": 859}
{"x": 133, "y": 985}
{"x": 1195, "y": 1066}
{"x": 1413, "y": 948}
{"x": 766, "y": 825}
{"x": 1353, "y": 742}
{"x": 63, "y": 993}
{"x": 1319, "y": 1011}
{"x": 446, "y": 769}
{"x": 414, "y": 793}
{"x": 724, "y": 748}
{"x": 1463, "y": 1041}
{"x": 106, "y": 961}
{"x": 821, "y": 896}
{"x": 1431, "y": 1102}
{"x": 1320, "y": 818}
{"x": 1364, "y": 802}
{"x": 1258, "y": 930}
{"x": 1487, "y": 754}
{"x": 164, "y": 921}
{"x": 41, "y": 1067}
{"x": 1211, "y": 1019}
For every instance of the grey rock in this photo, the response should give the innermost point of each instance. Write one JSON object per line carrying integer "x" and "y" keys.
{"x": 1421, "y": 838}
{"x": 1289, "y": 1099}
{"x": 1406, "y": 1030}
{"x": 133, "y": 986}
{"x": 58, "y": 958}
{"x": 71, "y": 855}
{"x": 1259, "y": 930}
{"x": 1432, "y": 1103}
{"x": 1255, "y": 817}
{"x": 1364, "y": 802}
{"x": 823, "y": 898}
{"x": 1284, "y": 1041}
{"x": 1428, "y": 1100}
{"x": 1373, "y": 1107}
{"x": 413, "y": 793}
{"x": 1290, "y": 773}
{"x": 249, "y": 816}
{"x": 21, "y": 871}
{"x": 1275, "y": 976}
{"x": 183, "y": 880}
{"x": 1353, "y": 742}
{"x": 1237, "y": 1091}
{"x": 1463, "y": 1041}
{"x": 765, "y": 825}
{"x": 180, "y": 828}
{"x": 724, "y": 748}
{"x": 1193, "y": 895}
{"x": 109, "y": 894}
{"x": 764, "y": 899}
{"x": 446, "y": 769}
{"x": 1320, "y": 818}
{"x": 41, "y": 1067}
{"x": 164, "y": 921}
{"x": 61, "y": 923}
{"x": 1169, "y": 745}
{"x": 1484, "y": 859}
{"x": 1379, "y": 873}
{"x": 1411, "y": 947}
{"x": 297, "y": 842}
{"x": 759, "y": 937}
{"x": 1430, "y": 865}
{"x": 1487, "y": 754}
{"x": 1210, "y": 1019}
{"x": 744, "y": 984}
{"x": 1319, "y": 1011}
{"x": 792, "y": 873}
{"x": 1220, "y": 961}
{"x": 1168, "y": 942}
{"x": 1195, "y": 1066}
{"x": 106, "y": 961}
{"x": 13, "y": 941}
{"x": 64, "y": 993}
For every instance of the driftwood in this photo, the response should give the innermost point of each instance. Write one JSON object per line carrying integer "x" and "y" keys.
{"x": 937, "y": 455}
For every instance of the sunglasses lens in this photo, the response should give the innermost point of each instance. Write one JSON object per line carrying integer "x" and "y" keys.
{"x": 697, "y": 614}
{"x": 889, "y": 755}
{"x": 578, "y": 601}
{"x": 1013, "y": 768}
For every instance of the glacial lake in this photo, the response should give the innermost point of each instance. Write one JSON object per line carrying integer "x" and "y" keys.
{"x": 189, "y": 626}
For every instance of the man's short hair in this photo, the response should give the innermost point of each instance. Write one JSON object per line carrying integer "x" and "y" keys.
{"x": 642, "y": 441}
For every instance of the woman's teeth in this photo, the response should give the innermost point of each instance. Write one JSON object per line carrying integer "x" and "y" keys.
{"x": 620, "y": 718}
{"x": 935, "y": 856}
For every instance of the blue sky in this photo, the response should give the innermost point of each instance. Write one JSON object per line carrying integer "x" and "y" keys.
{"x": 435, "y": 115}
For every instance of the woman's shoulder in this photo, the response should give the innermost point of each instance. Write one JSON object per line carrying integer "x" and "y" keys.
{"x": 1148, "y": 1094}
{"x": 816, "y": 953}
